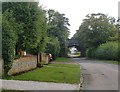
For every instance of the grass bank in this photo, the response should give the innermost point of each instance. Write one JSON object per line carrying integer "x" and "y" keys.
{"x": 58, "y": 73}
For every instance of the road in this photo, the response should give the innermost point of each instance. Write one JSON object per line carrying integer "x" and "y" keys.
{"x": 98, "y": 75}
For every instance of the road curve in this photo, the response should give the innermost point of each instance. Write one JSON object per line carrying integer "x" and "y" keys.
{"x": 98, "y": 75}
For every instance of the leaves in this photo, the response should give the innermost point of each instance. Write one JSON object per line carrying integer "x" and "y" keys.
{"x": 96, "y": 29}
{"x": 9, "y": 38}
{"x": 58, "y": 27}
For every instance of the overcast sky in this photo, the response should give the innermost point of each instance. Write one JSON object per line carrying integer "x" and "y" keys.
{"x": 76, "y": 10}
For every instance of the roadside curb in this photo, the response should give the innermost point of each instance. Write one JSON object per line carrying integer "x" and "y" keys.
{"x": 81, "y": 80}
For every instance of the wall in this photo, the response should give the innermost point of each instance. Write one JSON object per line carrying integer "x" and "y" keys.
{"x": 27, "y": 63}
{"x": 23, "y": 64}
{"x": 45, "y": 59}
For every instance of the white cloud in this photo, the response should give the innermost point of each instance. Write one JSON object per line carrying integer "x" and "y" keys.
{"x": 76, "y": 10}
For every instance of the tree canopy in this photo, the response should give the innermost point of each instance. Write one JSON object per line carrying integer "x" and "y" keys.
{"x": 58, "y": 27}
{"x": 96, "y": 29}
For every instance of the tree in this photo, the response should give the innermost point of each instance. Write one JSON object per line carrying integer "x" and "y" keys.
{"x": 24, "y": 27}
{"x": 9, "y": 38}
{"x": 53, "y": 46}
{"x": 26, "y": 14}
{"x": 96, "y": 29}
{"x": 58, "y": 27}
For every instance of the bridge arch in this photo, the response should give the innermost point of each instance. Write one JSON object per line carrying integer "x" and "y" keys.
{"x": 76, "y": 43}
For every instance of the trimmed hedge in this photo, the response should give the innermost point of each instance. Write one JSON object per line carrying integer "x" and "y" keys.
{"x": 106, "y": 51}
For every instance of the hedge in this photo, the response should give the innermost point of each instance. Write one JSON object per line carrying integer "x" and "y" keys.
{"x": 106, "y": 51}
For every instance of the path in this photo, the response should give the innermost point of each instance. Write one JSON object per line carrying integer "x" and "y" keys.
{"x": 98, "y": 75}
{"x": 32, "y": 85}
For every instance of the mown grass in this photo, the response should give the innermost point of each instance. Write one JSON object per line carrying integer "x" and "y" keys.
{"x": 58, "y": 73}
{"x": 62, "y": 59}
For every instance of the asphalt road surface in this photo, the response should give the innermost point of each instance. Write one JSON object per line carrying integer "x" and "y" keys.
{"x": 98, "y": 75}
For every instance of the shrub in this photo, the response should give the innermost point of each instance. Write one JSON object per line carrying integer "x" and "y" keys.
{"x": 108, "y": 51}
{"x": 90, "y": 52}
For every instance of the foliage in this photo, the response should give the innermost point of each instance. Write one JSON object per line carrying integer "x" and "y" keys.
{"x": 58, "y": 27}
{"x": 41, "y": 28}
{"x": 96, "y": 29}
{"x": 32, "y": 23}
{"x": 90, "y": 52}
{"x": 9, "y": 38}
{"x": 24, "y": 27}
{"x": 108, "y": 51}
{"x": 53, "y": 46}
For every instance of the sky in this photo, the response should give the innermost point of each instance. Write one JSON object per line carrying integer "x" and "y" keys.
{"x": 76, "y": 10}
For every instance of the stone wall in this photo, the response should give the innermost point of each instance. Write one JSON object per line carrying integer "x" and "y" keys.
{"x": 27, "y": 63}
{"x": 23, "y": 64}
{"x": 45, "y": 59}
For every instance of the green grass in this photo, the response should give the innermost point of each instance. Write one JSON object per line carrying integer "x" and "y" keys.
{"x": 106, "y": 61}
{"x": 58, "y": 73}
{"x": 109, "y": 61}
{"x": 62, "y": 59}
{"x": 9, "y": 90}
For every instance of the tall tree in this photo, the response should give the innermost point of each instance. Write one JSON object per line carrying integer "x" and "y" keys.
{"x": 9, "y": 38}
{"x": 26, "y": 14}
{"x": 96, "y": 29}
{"x": 58, "y": 27}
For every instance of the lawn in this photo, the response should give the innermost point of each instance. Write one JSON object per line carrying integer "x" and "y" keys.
{"x": 62, "y": 59}
{"x": 58, "y": 73}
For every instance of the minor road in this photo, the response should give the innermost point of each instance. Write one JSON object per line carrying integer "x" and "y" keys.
{"x": 98, "y": 75}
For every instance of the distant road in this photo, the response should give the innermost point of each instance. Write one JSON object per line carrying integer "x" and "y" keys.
{"x": 98, "y": 75}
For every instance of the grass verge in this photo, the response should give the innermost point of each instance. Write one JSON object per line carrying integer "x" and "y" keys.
{"x": 9, "y": 90}
{"x": 109, "y": 61}
{"x": 106, "y": 61}
{"x": 58, "y": 73}
{"x": 62, "y": 59}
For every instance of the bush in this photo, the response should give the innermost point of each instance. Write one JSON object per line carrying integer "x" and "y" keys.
{"x": 108, "y": 51}
{"x": 90, "y": 52}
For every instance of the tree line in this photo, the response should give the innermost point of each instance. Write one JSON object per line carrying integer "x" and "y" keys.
{"x": 98, "y": 37}
{"x": 29, "y": 27}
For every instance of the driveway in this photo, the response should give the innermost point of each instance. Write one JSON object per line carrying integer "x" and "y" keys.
{"x": 98, "y": 75}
